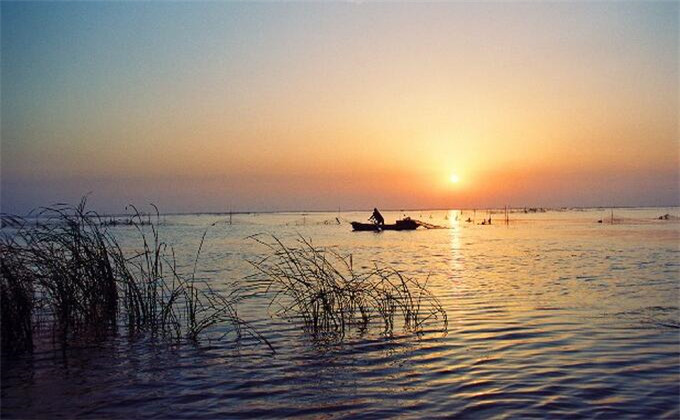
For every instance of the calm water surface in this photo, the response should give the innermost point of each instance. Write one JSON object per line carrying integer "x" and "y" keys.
{"x": 554, "y": 315}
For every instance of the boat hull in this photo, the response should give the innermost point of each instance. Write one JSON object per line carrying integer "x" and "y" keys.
{"x": 406, "y": 224}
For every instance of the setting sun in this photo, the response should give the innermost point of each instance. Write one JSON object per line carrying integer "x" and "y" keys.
{"x": 454, "y": 178}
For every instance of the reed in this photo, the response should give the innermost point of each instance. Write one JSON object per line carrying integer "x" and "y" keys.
{"x": 64, "y": 261}
{"x": 16, "y": 303}
{"x": 322, "y": 288}
{"x": 68, "y": 268}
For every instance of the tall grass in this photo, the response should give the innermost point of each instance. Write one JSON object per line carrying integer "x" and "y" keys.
{"x": 158, "y": 298}
{"x": 68, "y": 267}
{"x": 65, "y": 264}
{"x": 16, "y": 303}
{"x": 66, "y": 270}
{"x": 322, "y": 288}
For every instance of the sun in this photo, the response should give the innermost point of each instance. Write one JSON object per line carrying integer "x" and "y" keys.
{"x": 454, "y": 178}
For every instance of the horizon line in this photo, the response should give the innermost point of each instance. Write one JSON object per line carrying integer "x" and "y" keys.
{"x": 243, "y": 212}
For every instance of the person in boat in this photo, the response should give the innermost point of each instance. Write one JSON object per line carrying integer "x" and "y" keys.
{"x": 377, "y": 218}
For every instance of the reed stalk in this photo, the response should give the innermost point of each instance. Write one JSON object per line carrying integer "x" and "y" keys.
{"x": 66, "y": 267}
{"x": 321, "y": 288}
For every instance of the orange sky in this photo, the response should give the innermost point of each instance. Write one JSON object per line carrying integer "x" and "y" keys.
{"x": 218, "y": 106}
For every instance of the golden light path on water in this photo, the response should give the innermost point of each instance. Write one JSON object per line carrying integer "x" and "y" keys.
{"x": 454, "y": 225}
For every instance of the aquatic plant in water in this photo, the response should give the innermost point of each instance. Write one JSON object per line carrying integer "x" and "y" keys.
{"x": 321, "y": 287}
{"x": 65, "y": 267}
{"x": 62, "y": 263}
{"x": 16, "y": 303}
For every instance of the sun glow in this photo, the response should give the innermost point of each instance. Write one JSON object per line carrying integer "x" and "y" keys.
{"x": 454, "y": 178}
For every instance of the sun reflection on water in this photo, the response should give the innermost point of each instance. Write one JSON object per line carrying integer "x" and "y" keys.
{"x": 455, "y": 244}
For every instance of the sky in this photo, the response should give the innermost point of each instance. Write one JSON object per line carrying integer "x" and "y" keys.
{"x": 219, "y": 106}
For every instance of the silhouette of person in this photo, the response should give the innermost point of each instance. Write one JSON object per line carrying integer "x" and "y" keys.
{"x": 377, "y": 218}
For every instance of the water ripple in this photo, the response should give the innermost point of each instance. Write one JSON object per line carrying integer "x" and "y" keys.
{"x": 548, "y": 318}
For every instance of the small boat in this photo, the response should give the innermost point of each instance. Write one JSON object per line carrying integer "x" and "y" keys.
{"x": 403, "y": 224}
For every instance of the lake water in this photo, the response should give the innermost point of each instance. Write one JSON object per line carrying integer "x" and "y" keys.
{"x": 552, "y": 315}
